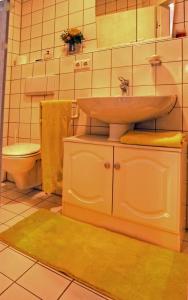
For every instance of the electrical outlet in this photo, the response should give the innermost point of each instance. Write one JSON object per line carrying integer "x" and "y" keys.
{"x": 86, "y": 64}
{"x": 78, "y": 65}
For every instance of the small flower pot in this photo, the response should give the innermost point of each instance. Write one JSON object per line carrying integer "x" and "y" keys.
{"x": 74, "y": 48}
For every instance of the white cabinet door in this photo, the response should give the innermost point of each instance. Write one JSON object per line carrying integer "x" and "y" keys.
{"x": 87, "y": 178}
{"x": 147, "y": 187}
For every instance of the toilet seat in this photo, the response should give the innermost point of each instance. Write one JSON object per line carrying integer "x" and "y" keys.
{"x": 21, "y": 150}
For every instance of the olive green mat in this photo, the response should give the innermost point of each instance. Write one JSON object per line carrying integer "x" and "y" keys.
{"x": 116, "y": 265}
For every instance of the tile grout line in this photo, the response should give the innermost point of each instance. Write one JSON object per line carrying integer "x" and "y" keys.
{"x": 15, "y": 282}
{"x": 65, "y": 290}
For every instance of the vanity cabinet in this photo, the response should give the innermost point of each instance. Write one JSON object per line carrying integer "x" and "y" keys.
{"x": 87, "y": 179}
{"x": 146, "y": 187}
{"x": 136, "y": 190}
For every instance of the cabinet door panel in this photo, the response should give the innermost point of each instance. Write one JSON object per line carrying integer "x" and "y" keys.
{"x": 146, "y": 187}
{"x": 87, "y": 182}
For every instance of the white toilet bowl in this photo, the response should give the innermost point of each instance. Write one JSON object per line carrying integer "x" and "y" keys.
{"x": 22, "y": 162}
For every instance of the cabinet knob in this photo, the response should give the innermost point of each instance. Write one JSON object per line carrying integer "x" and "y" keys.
{"x": 166, "y": 215}
{"x": 117, "y": 166}
{"x": 107, "y": 165}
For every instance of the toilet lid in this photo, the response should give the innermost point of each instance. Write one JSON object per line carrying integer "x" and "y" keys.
{"x": 21, "y": 149}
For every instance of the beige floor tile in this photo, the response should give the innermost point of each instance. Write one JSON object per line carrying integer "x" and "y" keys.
{"x": 4, "y": 200}
{"x": 55, "y": 199}
{"x": 12, "y": 194}
{"x": 15, "y": 292}
{"x": 14, "y": 221}
{"x": 5, "y": 186}
{"x": 6, "y": 215}
{"x": 13, "y": 264}
{"x": 16, "y": 207}
{"x": 29, "y": 212}
{"x": 15, "y": 189}
{"x": 38, "y": 194}
{"x": 76, "y": 292}
{"x": 2, "y": 246}
{"x": 23, "y": 254}
{"x": 3, "y": 227}
{"x": 30, "y": 201}
{"x": 50, "y": 206}
{"x": 44, "y": 283}
{"x": 57, "y": 272}
{"x": 4, "y": 283}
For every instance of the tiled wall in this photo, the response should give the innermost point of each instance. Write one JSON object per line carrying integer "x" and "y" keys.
{"x": 44, "y": 21}
{"x": 104, "y": 7}
{"x": 131, "y": 62}
{"x": 181, "y": 15}
{"x": 13, "y": 52}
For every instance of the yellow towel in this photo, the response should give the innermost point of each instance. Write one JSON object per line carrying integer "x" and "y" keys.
{"x": 154, "y": 138}
{"x": 55, "y": 125}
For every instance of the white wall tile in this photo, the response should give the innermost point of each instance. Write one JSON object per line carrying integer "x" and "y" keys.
{"x": 75, "y": 6}
{"x": 27, "y": 70}
{"x": 142, "y": 52}
{"x": 144, "y": 90}
{"x": 102, "y": 59}
{"x": 185, "y": 71}
{"x": 67, "y": 81}
{"x": 76, "y": 19}
{"x": 52, "y": 66}
{"x": 122, "y": 57}
{"x": 185, "y": 49}
{"x": 172, "y": 121}
{"x": 185, "y": 95}
{"x": 83, "y": 80}
{"x": 67, "y": 64}
{"x": 143, "y": 75}
{"x": 101, "y": 78}
{"x": 185, "y": 119}
{"x": 101, "y": 92}
{"x": 170, "y": 50}
{"x": 169, "y": 73}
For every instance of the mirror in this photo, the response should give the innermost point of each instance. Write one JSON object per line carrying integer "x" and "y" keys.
{"x": 126, "y": 21}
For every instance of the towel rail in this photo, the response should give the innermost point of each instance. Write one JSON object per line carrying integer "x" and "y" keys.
{"x": 76, "y": 111}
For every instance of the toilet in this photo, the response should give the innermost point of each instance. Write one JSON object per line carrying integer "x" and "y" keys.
{"x": 23, "y": 163}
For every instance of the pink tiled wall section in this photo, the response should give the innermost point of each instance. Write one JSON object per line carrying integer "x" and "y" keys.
{"x": 104, "y": 7}
{"x": 181, "y": 15}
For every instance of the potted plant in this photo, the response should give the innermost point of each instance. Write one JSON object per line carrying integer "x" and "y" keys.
{"x": 73, "y": 37}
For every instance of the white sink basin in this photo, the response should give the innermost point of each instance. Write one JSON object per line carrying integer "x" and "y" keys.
{"x": 122, "y": 112}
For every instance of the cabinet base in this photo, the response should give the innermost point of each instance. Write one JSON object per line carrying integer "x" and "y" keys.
{"x": 155, "y": 236}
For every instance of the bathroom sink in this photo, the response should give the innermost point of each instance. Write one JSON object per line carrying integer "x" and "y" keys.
{"x": 122, "y": 112}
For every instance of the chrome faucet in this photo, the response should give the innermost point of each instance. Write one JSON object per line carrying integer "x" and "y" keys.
{"x": 124, "y": 85}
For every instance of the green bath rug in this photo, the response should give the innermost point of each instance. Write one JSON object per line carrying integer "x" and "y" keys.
{"x": 118, "y": 266}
